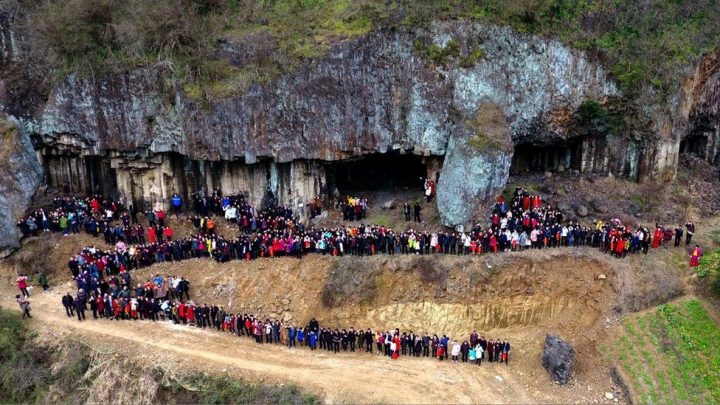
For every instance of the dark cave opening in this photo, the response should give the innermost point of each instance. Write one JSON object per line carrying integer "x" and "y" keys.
{"x": 695, "y": 145}
{"x": 531, "y": 158}
{"x": 378, "y": 171}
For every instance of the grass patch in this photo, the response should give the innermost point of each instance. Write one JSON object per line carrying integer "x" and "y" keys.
{"x": 227, "y": 390}
{"x": 32, "y": 372}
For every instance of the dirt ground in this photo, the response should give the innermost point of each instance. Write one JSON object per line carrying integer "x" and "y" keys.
{"x": 536, "y": 303}
{"x": 521, "y": 298}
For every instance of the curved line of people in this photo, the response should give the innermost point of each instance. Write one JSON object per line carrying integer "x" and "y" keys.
{"x": 168, "y": 299}
{"x": 524, "y": 224}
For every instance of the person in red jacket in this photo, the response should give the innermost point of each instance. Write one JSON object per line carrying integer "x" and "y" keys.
{"x": 168, "y": 232}
{"x": 181, "y": 313}
{"x": 22, "y": 285}
{"x": 190, "y": 315}
{"x": 695, "y": 256}
{"x": 160, "y": 217}
{"x": 151, "y": 234}
{"x": 657, "y": 236}
{"x": 620, "y": 248}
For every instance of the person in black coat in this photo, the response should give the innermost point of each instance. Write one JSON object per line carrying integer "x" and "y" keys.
{"x": 505, "y": 351}
{"x": 79, "y": 305}
{"x": 314, "y": 325}
{"x": 67, "y": 301}
{"x": 464, "y": 351}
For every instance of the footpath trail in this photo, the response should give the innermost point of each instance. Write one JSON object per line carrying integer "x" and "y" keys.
{"x": 351, "y": 377}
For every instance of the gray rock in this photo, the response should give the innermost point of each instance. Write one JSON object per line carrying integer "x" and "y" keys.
{"x": 631, "y": 208}
{"x": 599, "y": 206}
{"x": 20, "y": 176}
{"x": 475, "y": 170}
{"x": 548, "y": 175}
{"x": 557, "y": 358}
{"x": 564, "y": 206}
{"x": 571, "y": 216}
{"x": 582, "y": 211}
{"x": 560, "y": 169}
{"x": 389, "y": 205}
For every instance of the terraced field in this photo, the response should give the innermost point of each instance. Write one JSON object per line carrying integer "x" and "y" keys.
{"x": 670, "y": 354}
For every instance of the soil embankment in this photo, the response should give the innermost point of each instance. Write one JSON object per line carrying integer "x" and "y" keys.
{"x": 519, "y": 297}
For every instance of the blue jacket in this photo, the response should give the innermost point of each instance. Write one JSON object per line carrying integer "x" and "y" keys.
{"x": 176, "y": 201}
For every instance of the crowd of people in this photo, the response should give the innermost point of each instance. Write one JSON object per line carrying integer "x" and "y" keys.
{"x": 168, "y": 299}
{"x": 105, "y": 286}
{"x": 104, "y": 281}
{"x": 525, "y": 223}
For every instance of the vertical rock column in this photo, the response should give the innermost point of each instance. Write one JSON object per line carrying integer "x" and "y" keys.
{"x": 20, "y": 176}
{"x": 476, "y": 168}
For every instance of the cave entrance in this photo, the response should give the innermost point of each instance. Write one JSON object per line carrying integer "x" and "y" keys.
{"x": 695, "y": 145}
{"x": 379, "y": 171}
{"x": 531, "y": 158}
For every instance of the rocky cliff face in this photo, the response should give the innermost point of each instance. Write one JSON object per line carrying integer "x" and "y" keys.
{"x": 371, "y": 95}
{"x": 20, "y": 175}
{"x": 139, "y": 135}
{"x": 695, "y": 109}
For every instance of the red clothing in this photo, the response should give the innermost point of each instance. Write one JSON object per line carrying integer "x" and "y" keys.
{"x": 695, "y": 257}
{"x": 657, "y": 237}
{"x": 619, "y": 246}
{"x": 526, "y": 203}
{"x": 151, "y": 234}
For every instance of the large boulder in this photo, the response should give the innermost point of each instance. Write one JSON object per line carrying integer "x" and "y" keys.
{"x": 20, "y": 176}
{"x": 476, "y": 168}
{"x": 557, "y": 358}
{"x": 599, "y": 206}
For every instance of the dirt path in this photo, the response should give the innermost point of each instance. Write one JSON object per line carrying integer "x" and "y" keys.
{"x": 338, "y": 378}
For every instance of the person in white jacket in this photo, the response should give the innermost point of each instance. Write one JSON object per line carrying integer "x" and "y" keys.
{"x": 478, "y": 354}
{"x": 455, "y": 351}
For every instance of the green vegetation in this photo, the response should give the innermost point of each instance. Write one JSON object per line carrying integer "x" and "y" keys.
{"x": 643, "y": 42}
{"x": 25, "y": 374}
{"x": 490, "y": 128}
{"x": 227, "y": 390}
{"x": 710, "y": 267}
{"x": 76, "y": 372}
{"x": 441, "y": 56}
{"x": 593, "y": 118}
{"x": 671, "y": 355}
